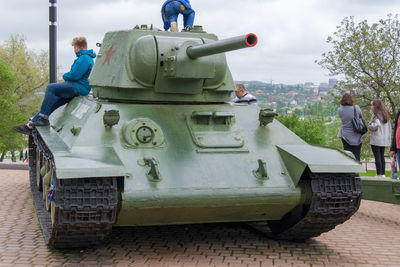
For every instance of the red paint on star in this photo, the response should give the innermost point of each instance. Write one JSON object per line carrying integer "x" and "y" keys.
{"x": 109, "y": 53}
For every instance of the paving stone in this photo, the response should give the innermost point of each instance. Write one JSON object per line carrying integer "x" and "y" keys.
{"x": 370, "y": 238}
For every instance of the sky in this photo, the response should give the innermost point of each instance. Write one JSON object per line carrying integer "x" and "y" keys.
{"x": 291, "y": 33}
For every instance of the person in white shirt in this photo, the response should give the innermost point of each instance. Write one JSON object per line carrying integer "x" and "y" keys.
{"x": 242, "y": 96}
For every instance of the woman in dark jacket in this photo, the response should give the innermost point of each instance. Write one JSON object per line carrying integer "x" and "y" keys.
{"x": 351, "y": 140}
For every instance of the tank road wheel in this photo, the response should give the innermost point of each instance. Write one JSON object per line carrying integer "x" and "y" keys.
{"x": 52, "y": 203}
{"x": 83, "y": 211}
{"x": 53, "y": 212}
{"x": 335, "y": 198}
{"x": 47, "y": 185}
{"x": 39, "y": 158}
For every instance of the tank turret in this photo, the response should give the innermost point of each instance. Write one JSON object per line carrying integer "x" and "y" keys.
{"x": 151, "y": 65}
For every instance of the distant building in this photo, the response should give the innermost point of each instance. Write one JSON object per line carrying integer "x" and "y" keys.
{"x": 310, "y": 86}
{"x": 332, "y": 82}
{"x": 324, "y": 87}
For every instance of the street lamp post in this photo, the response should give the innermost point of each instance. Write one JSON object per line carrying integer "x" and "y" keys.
{"x": 53, "y": 41}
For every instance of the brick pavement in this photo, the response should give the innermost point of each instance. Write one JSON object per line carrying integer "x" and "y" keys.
{"x": 370, "y": 238}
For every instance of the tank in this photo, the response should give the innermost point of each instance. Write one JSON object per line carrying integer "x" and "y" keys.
{"x": 159, "y": 143}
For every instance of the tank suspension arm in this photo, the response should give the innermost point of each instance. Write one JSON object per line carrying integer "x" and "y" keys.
{"x": 222, "y": 46}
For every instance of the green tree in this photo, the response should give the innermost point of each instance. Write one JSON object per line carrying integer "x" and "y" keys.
{"x": 367, "y": 58}
{"x": 10, "y": 115}
{"x": 312, "y": 129}
{"x": 31, "y": 72}
{"x": 298, "y": 111}
{"x": 332, "y": 139}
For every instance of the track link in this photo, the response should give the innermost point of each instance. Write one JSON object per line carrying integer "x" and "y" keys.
{"x": 85, "y": 208}
{"x": 335, "y": 198}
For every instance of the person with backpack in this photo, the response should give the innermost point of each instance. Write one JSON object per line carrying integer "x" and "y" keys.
{"x": 352, "y": 140}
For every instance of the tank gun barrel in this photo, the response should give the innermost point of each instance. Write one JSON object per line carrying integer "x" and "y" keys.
{"x": 222, "y": 46}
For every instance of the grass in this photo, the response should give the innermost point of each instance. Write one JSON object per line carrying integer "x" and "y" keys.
{"x": 372, "y": 173}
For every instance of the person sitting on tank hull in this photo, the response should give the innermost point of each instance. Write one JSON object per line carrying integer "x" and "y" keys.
{"x": 57, "y": 94}
{"x": 243, "y": 97}
{"x": 170, "y": 11}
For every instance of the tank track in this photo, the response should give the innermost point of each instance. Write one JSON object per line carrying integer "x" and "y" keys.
{"x": 335, "y": 198}
{"x": 85, "y": 208}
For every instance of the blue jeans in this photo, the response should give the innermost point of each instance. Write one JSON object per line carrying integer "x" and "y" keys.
{"x": 398, "y": 158}
{"x": 173, "y": 9}
{"x": 57, "y": 94}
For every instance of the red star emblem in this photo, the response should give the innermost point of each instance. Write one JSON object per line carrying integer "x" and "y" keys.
{"x": 109, "y": 53}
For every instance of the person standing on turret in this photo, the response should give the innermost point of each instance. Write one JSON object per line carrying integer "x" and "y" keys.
{"x": 243, "y": 97}
{"x": 170, "y": 11}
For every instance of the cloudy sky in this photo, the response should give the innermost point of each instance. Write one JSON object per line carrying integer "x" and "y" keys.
{"x": 292, "y": 33}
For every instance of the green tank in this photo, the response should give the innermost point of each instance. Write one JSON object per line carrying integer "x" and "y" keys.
{"x": 160, "y": 143}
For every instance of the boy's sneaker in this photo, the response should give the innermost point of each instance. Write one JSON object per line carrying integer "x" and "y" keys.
{"x": 24, "y": 129}
{"x": 40, "y": 122}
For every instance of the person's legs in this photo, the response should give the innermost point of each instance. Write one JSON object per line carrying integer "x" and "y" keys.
{"x": 65, "y": 95}
{"x": 346, "y": 145}
{"x": 382, "y": 159}
{"x": 356, "y": 150}
{"x": 188, "y": 17}
{"x": 398, "y": 157}
{"x": 172, "y": 11}
{"x": 57, "y": 94}
{"x": 378, "y": 159}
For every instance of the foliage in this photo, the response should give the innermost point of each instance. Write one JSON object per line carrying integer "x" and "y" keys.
{"x": 9, "y": 139}
{"x": 31, "y": 72}
{"x": 320, "y": 108}
{"x": 367, "y": 58}
{"x": 332, "y": 134}
{"x": 312, "y": 129}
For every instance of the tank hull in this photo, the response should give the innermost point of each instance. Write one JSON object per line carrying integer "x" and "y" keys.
{"x": 211, "y": 180}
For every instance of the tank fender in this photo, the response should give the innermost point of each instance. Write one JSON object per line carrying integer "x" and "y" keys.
{"x": 86, "y": 162}
{"x": 318, "y": 159}
{"x": 383, "y": 190}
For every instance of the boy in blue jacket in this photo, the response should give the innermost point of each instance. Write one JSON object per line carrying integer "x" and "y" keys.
{"x": 57, "y": 94}
{"x": 170, "y": 11}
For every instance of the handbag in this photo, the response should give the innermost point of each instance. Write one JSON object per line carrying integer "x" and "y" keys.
{"x": 359, "y": 124}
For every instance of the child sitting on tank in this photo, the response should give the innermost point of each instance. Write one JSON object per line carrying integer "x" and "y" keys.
{"x": 57, "y": 94}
